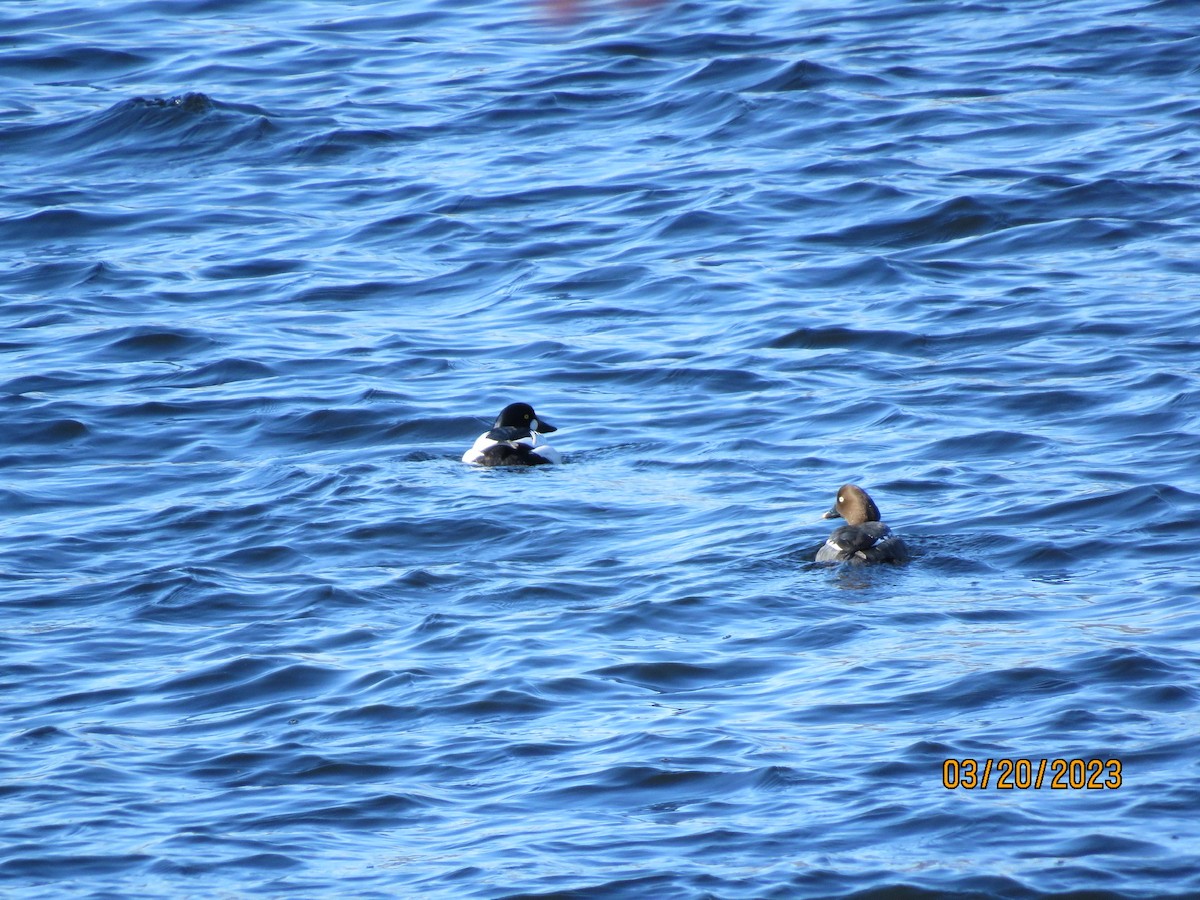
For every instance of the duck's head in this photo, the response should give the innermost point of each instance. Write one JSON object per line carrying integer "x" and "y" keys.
{"x": 854, "y": 505}
{"x": 521, "y": 415}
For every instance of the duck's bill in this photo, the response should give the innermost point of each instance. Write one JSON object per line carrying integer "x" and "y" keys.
{"x": 831, "y": 514}
{"x": 543, "y": 427}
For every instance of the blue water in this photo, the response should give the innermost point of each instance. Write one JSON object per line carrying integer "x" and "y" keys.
{"x": 267, "y": 269}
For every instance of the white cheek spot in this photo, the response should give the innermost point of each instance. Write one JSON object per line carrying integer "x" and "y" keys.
{"x": 533, "y": 424}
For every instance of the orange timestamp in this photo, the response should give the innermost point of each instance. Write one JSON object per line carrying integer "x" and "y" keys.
{"x": 1024, "y": 774}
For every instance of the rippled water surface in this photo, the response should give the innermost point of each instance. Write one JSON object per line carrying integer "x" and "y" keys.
{"x": 268, "y": 268}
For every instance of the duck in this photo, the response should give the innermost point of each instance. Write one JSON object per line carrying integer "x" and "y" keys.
{"x": 515, "y": 439}
{"x": 864, "y": 538}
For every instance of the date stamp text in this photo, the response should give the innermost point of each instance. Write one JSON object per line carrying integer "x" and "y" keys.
{"x": 1025, "y": 774}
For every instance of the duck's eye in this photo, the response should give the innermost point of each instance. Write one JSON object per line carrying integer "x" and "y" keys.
{"x": 841, "y": 499}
